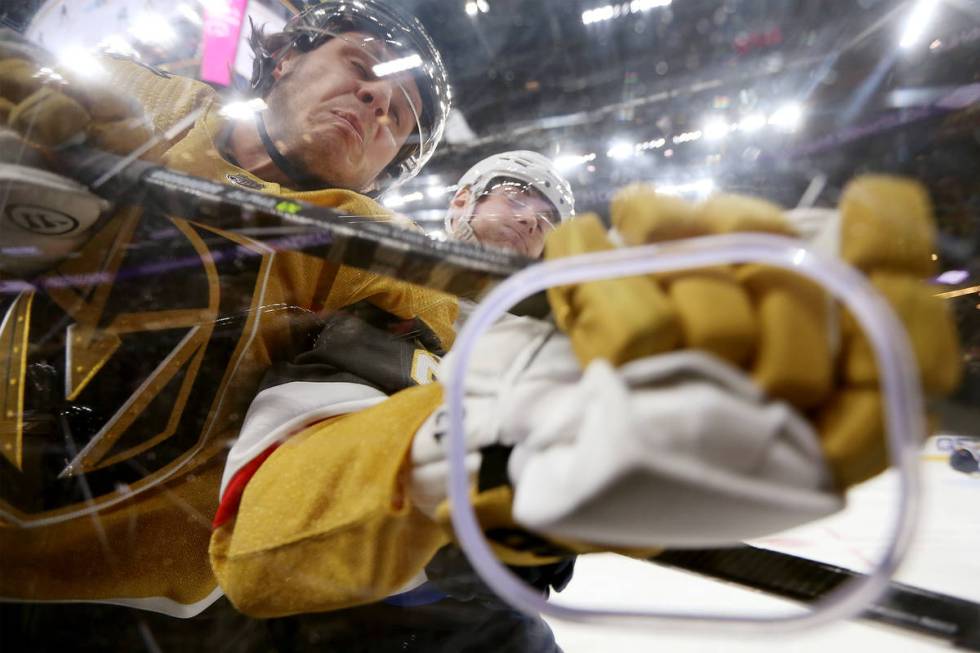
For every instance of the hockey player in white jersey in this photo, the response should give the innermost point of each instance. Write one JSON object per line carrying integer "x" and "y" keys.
{"x": 510, "y": 200}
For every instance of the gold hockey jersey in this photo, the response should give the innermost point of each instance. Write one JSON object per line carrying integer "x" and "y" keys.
{"x": 127, "y": 372}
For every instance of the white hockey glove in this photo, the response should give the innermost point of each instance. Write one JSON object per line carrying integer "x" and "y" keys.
{"x": 667, "y": 450}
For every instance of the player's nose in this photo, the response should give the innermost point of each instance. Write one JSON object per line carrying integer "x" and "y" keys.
{"x": 376, "y": 94}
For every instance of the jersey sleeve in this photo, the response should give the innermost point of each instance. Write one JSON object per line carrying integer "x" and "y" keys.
{"x": 326, "y": 521}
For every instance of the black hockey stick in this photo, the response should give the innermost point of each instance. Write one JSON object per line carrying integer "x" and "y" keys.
{"x": 467, "y": 271}
{"x": 458, "y": 268}
{"x": 954, "y": 620}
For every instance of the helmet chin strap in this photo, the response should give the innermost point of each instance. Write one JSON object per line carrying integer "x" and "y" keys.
{"x": 300, "y": 178}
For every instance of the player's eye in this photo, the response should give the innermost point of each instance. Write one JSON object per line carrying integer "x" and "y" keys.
{"x": 361, "y": 68}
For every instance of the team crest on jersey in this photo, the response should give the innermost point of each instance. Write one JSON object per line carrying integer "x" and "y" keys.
{"x": 243, "y": 180}
{"x": 115, "y": 376}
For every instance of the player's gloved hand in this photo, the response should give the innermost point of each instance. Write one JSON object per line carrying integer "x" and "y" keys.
{"x": 52, "y": 106}
{"x": 567, "y": 460}
{"x": 780, "y": 328}
{"x": 884, "y": 226}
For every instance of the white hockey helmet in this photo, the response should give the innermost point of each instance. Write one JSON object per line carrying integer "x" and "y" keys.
{"x": 531, "y": 168}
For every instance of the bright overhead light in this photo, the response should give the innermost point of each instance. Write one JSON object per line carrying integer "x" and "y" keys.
{"x": 569, "y": 161}
{"x": 482, "y": 6}
{"x": 654, "y": 144}
{"x": 435, "y": 192}
{"x": 397, "y": 65}
{"x": 953, "y": 277}
{"x": 116, "y": 44}
{"x": 752, "y": 122}
{"x": 788, "y": 117}
{"x": 189, "y": 13}
{"x": 608, "y": 12}
{"x": 152, "y": 29}
{"x": 687, "y": 137}
{"x": 244, "y": 109}
{"x": 472, "y": 9}
{"x": 395, "y": 201}
{"x": 698, "y": 187}
{"x": 80, "y": 61}
{"x": 918, "y": 20}
{"x": 620, "y": 150}
{"x": 716, "y": 129}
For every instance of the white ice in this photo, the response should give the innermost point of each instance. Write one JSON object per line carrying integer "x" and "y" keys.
{"x": 945, "y": 557}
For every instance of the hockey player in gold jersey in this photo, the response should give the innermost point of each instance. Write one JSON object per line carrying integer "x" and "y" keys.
{"x": 336, "y": 499}
{"x": 143, "y": 348}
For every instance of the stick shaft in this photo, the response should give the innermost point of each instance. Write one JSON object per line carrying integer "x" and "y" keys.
{"x": 938, "y": 615}
{"x": 461, "y": 269}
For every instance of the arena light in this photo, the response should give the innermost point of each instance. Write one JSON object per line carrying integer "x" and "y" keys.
{"x": 244, "y": 109}
{"x": 697, "y": 187}
{"x": 654, "y": 144}
{"x": 80, "y": 61}
{"x": 117, "y": 44}
{"x": 435, "y": 192}
{"x": 568, "y": 162}
{"x": 687, "y": 137}
{"x": 788, "y": 117}
{"x": 620, "y": 150}
{"x": 716, "y": 129}
{"x": 397, "y": 65}
{"x": 608, "y": 12}
{"x": 752, "y": 123}
{"x": 396, "y": 201}
{"x": 953, "y": 277}
{"x": 189, "y": 13}
{"x": 918, "y": 20}
{"x": 152, "y": 29}
{"x": 472, "y": 9}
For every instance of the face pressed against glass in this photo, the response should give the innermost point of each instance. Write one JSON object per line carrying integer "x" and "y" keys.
{"x": 514, "y": 216}
{"x": 329, "y": 110}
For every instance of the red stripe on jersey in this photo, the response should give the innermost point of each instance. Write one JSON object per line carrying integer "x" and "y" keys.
{"x": 232, "y": 497}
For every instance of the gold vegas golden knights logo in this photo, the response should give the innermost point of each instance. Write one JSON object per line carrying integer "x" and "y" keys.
{"x": 127, "y": 365}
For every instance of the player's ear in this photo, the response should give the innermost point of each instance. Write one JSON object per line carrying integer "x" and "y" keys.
{"x": 285, "y": 64}
{"x": 461, "y": 198}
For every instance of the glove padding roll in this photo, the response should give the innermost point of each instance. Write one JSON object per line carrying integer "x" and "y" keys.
{"x": 782, "y": 329}
{"x": 51, "y": 107}
{"x": 594, "y": 456}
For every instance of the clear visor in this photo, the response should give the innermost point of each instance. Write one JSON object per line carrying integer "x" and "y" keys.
{"x": 521, "y": 199}
{"x": 419, "y": 77}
